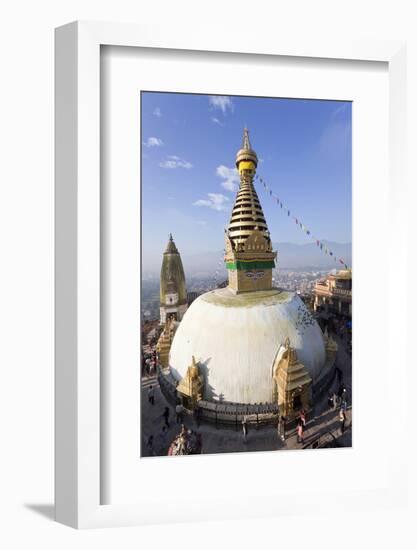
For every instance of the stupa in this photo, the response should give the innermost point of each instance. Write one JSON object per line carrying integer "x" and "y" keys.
{"x": 237, "y": 335}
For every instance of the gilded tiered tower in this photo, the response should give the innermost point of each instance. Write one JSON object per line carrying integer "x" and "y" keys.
{"x": 173, "y": 292}
{"x": 248, "y": 249}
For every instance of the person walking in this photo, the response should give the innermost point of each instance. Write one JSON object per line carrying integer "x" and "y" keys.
{"x": 300, "y": 431}
{"x": 342, "y": 418}
{"x": 330, "y": 401}
{"x": 151, "y": 395}
{"x": 343, "y": 398}
{"x": 281, "y": 427}
{"x": 335, "y": 400}
{"x": 244, "y": 427}
{"x": 179, "y": 409}
{"x": 165, "y": 414}
{"x": 303, "y": 418}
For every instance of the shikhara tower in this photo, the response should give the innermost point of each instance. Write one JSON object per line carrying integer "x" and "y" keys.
{"x": 173, "y": 292}
{"x": 248, "y": 249}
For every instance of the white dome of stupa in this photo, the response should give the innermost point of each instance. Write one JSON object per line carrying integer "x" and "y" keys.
{"x": 236, "y": 339}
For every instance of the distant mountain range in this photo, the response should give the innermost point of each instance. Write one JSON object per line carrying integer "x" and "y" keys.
{"x": 290, "y": 256}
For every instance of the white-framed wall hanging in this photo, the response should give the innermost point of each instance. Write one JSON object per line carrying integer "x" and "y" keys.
{"x": 243, "y": 141}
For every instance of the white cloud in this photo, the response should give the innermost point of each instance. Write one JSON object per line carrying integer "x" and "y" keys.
{"x": 157, "y": 112}
{"x": 230, "y": 177}
{"x": 215, "y": 201}
{"x": 216, "y": 121}
{"x": 153, "y": 142}
{"x": 173, "y": 162}
{"x": 222, "y": 102}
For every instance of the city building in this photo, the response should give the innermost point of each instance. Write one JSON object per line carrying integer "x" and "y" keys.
{"x": 173, "y": 292}
{"x": 239, "y": 338}
{"x": 334, "y": 293}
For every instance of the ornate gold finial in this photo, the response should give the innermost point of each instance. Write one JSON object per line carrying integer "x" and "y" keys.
{"x": 246, "y": 153}
{"x": 287, "y": 342}
{"x": 246, "y": 142}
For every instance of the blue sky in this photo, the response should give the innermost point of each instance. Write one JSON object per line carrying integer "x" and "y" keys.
{"x": 189, "y": 143}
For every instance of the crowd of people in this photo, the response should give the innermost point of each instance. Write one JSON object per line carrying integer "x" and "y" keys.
{"x": 149, "y": 362}
{"x": 187, "y": 442}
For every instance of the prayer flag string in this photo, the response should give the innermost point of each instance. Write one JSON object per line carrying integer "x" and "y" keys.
{"x": 301, "y": 225}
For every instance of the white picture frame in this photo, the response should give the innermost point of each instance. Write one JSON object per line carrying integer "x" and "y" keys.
{"x": 78, "y": 405}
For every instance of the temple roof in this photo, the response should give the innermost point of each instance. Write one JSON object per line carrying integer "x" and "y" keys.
{"x": 342, "y": 274}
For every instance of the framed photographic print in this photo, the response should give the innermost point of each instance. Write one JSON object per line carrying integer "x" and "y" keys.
{"x": 238, "y": 355}
{"x": 221, "y": 227}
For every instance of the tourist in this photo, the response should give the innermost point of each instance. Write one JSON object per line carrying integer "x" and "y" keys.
{"x": 281, "y": 427}
{"x": 300, "y": 431}
{"x": 179, "y": 410}
{"x": 341, "y": 389}
{"x": 330, "y": 401}
{"x": 244, "y": 427}
{"x": 303, "y": 418}
{"x": 151, "y": 395}
{"x": 339, "y": 374}
{"x": 342, "y": 418}
{"x": 165, "y": 414}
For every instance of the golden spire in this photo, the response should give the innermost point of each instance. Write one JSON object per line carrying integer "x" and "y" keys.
{"x": 246, "y": 154}
{"x": 249, "y": 256}
{"x": 247, "y": 214}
